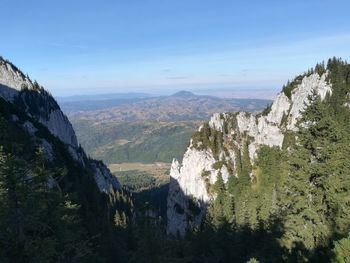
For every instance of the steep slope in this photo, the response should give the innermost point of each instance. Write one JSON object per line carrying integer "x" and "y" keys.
{"x": 39, "y": 107}
{"x": 227, "y": 145}
{"x": 274, "y": 186}
{"x": 57, "y": 204}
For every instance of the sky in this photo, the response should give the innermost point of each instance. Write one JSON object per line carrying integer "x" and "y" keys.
{"x": 85, "y": 47}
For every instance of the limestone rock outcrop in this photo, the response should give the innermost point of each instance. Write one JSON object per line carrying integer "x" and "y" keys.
{"x": 238, "y": 132}
{"x": 40, "y": 106}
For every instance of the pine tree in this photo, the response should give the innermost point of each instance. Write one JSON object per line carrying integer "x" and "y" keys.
{"x": 120, "y": 219}
{"x": 306, "y": 211}
{"x": 244, "y": 176}
{"x": 37, "y": 223}
{"x": 341, "y": 251}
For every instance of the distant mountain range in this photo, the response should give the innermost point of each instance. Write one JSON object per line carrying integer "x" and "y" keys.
{"x": 79, "y": 103}
{"x": 181, "y": 106}
{"x": 104, "y": 97}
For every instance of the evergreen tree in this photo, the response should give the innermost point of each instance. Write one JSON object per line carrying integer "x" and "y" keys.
{"x": 37, "y": 223}
{"x": 341, "y": 251}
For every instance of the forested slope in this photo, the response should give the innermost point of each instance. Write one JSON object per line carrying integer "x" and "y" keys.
{"x": 56, "y": 204}
{"x": 275, "y": 200}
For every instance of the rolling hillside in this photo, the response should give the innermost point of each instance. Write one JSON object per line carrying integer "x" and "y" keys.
{"x": 141, "y": 141}
{"x": 149, "y": 130}
{"x": 181, "y": 106}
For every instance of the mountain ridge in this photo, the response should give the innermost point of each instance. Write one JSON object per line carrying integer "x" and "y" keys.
{"x": 220, "y": 145}
{"x": 57, "y": 203}
{"x": 275, "y": 186}
{"x": 38, "y": 104}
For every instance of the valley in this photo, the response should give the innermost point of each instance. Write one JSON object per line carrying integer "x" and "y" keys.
{"x": 137, "y": 141}
{"x": 138, "y": 177}
{"x": 139, "y": 138}
{"x": 180, "y": 106}
{"x": 149, "y": 184}
{"x": 175, "y": 131}
{"x": 152, "y": 130}
{"x": 274, "y": 184}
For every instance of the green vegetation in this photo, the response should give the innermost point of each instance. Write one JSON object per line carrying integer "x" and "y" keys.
{"x": 218, "y": 165}
{"x": 290, "y": 86}
{"x": 51, "y": 211}
{"x": 341, "y": 250}
{"x": 208, "y": 137}
{"x": 284, "y": 120}
{"x": 265, "y": 111}
{"x": 205, "y": 173}
{"x": 295, "y": 204}
{"x": 291, "y": 205}
{"x": 320, "y": 69}
{"x": 136, "y": 181}
{"x": 36, "y": 101}
{"x": 143, "y": 141}
{"x": 38, "y": 223}
{"x": 149, "y": 190}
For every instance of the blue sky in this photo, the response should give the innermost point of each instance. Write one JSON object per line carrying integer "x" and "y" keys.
{"x": 85, "y": 47}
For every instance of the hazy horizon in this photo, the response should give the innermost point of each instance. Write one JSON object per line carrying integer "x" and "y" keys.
{"x": 248, "y": 93}
{"x": 83, "y": 47}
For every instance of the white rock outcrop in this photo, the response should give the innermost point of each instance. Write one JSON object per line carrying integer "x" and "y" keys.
{"x": 59, "y": 125}
{"x": 104, "y": 179}
{"x": 11, "y": 80}
{"x": 13, "y": 83}
{"x": 186, "y": 178}
{"x": 194, "y": 162}
{"x": 300, "y": 95}
{"x": 216, "y": 122}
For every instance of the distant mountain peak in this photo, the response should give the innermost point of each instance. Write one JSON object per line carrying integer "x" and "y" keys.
{"x": 184, "y": 94}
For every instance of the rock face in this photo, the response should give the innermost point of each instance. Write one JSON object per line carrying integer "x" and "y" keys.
{"x": 15, "y": 86}
{"x": 12, "y": 80}
{"x": 39, "y": 105}
{"x": 239, "y": 133}
{"x": 59, "y": 125}
{"x": 103, "y": 177}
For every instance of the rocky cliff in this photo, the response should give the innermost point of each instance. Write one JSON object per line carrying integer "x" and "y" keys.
{"x": 39, "y": 106}
{"x": 227, "y": 139}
